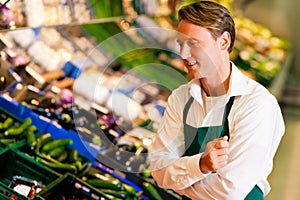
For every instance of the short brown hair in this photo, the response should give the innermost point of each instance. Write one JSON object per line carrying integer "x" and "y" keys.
{"x": 211, "y": 15}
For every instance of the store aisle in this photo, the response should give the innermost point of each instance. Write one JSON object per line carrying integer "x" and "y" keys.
{"x": 285, "y": 178}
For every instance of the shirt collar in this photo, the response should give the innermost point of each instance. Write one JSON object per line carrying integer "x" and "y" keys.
{"x": 238, "y": 85}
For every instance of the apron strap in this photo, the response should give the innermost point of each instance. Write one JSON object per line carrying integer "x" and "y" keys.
{"x": 186, "y": 109}
{"x": 225, "y": 130}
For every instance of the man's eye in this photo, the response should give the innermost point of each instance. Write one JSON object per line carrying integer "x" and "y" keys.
{"x": 192, "y": 43}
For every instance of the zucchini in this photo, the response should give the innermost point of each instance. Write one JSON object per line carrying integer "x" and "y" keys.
{"x": 130, "y": 190}
{"x": 117, "y": 194}
{"x": 63, "y": 157}
{"x": 30, "y": 137}
{"x": 55, "y": 153}
{"x": 73, "y": 155}
{"x": 41, "y": 141}
{"x": 16, "y": 131}
{"x": 98, "y": 183}
{"x": 7, "y": 123}
{"x": 55, "y": 144}
{"x": 58, "y": 166}
{"x": 150, "y": 191}
{"x": 8, "y": 140}
{"x": 48, "y": 158}
{"x": 78, "y": 164}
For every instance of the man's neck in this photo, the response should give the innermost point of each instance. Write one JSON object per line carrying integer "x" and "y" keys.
{"x": 215, "y": 87}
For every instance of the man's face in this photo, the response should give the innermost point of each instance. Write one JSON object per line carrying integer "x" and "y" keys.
{"x": 199, "y": 51}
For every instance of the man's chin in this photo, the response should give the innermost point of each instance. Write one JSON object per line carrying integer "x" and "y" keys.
{"x": 194, "y": 75}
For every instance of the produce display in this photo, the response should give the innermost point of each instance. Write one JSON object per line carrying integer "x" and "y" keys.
{"x": 258, "y": 51}
{"x": 13, "y": 130}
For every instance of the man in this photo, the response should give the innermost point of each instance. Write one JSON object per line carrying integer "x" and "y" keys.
{"x": 220, "y": 131}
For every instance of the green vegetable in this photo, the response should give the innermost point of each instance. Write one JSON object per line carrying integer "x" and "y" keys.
{"x": 7, "y": 123}
{"x": 55, "y": 153}
{"x": 130, "y": 190}
{"x": 78, "y": 164}
{"x": 117, "y": 194}
{"x": 146, "y": 173}
{"x": 97, "y": 183}
{"x": 63, "y": 157}
{"x": 16, "y": 131}
{"x": 30, "y": 137}
{"x": 73, "y": 155}
{"x": 8, "y": 140}
{"x": 150, "y": 190}
{"x": 41, "y": 141}
{"x": 55, "y": 144}
{"x": 58, "y": 166}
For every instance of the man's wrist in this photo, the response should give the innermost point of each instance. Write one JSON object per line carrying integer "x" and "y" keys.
{"x": 203, "y": 167}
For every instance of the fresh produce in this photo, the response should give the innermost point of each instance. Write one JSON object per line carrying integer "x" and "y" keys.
{"x": 12, "y": 130}
{"x": 56, "y": 154}
{"x": 108, "y": 184}
{"x": 58, "y": 165}
{"x": 56, "y": 144}
{"x": 40, "y": 141}
{"x": 7, "y": 123}
{"x": 98, "y": 183}
{"x": 258, "y": 51}
{"x": 30, "y": 136}
{"x": 150, "y": 191}
{"x": 16, "y": 131}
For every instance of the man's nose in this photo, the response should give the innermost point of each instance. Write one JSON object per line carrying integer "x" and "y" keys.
{"x": 185, "y": 52}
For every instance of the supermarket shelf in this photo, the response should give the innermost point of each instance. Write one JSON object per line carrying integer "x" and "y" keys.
{"x": 93, "y": 21}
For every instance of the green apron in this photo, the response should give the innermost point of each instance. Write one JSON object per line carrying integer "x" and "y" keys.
{"x": 197, "y": 138}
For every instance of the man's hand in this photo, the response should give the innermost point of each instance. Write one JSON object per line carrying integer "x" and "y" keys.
{"x": 215, "y": 155}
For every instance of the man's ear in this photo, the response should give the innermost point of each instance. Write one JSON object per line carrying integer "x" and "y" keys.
{"x": 225, "y": 40}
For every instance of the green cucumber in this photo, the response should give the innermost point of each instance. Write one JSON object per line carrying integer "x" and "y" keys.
{"x": 98, "y": 183}
{"x": 151, "y": 191}
{"x": 16, "y": 131}
{"x": 58, "y": 166}
{"x": 63, "y": 157}
{"x": 130, "y": 190}
{"x": 48, "y": 158}
{"x": 7, "y": 123}
{"x": 8, "y": 140}
{"x": 117, "y": 194}
{"x": 41, "y": 141}
{"x": 55, "y": 144}
{"x": 55, "y": 153}
{"x": 30, "y": 137}
{"x": 73, "y": 155}
{"x": 78, "y": 164}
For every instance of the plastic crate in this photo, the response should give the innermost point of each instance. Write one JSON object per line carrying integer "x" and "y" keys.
{"x": 17, "y": 140}
{"x": 32, "y": 155}
{"x": 8, "y": 194}
{"x": 17, "y": 164}
{"x": 136, "y": 181}
{"x": 20, "y": 112}
{"x": 70, "y": 187}
{"x": 3, "y": 146}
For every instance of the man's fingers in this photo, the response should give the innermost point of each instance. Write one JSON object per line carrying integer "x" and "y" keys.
{"x": 221, "y": 143}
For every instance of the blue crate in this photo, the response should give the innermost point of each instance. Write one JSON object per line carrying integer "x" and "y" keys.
{"x": 20, "y": 112}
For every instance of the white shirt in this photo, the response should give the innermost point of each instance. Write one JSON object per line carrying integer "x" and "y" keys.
{"x": 256, "y": 127}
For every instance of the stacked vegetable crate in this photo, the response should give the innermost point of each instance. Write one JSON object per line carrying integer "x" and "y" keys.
{"x": 22, "y": 159}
